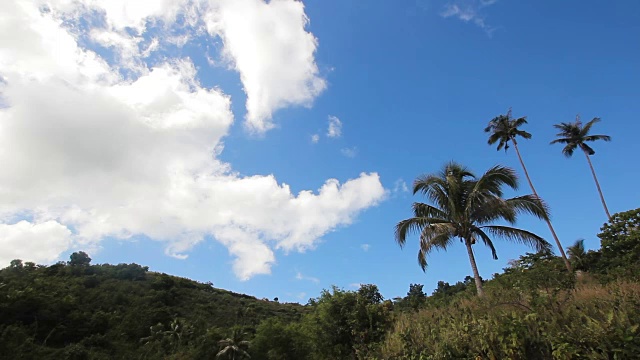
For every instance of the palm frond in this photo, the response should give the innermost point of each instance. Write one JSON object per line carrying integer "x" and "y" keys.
{"x": 529, "y": 204}
{"x": 426, "y": 210}
{"x": 412, "y": 226}
{"x": 407, "y": 227}
{"x": 224, "y": 351}
{"x": 586, "y": 148}
{"x": 487, "y": 241}
{"x": 520, "y": 121}
{"x": 434, "y": 188}
{"x": 568, "y": 150}
{"x": 523, "y": 134}
{"x": 597, "y": 137}
{"x": 441, "y": 238}
{"x": 494, "y": 138}
{"x": 492, "y": 209}
{"x": 518, "y": 235}
{"x": 576, "y": 250}
{"x": 565, "y": 128}
{"x": 587, "y": 127}
{"x": 495, "y": 178}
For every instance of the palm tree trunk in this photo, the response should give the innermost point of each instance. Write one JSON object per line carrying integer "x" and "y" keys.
{"x": 553, "y": 232}
{"x": 593, "y": 172}
{"x": 474, "y": 268}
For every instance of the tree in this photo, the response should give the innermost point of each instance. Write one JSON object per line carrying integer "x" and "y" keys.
{"x": 464, "y": 207}
{"x": 504, "y": 129}
{"x": 234, "y": 348}
{"x": 348, "y": 324}
{"x": 416, "y": 298}
{"x": 575, "y": 135}
{"x": 79, "y": 258}
{"x": 577, "y": 254}
{"x": 277, "y": 340}
{"x": 620, "y": 241}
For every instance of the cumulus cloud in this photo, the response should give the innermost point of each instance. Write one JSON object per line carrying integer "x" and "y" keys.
{"x": 335, "y": 127}
{"x": 88, "y": 153}
{"x": 315, "y": 138}
{"x": 365, "y": 247}
{"x": 33, "y": 242}
{"x": 266, "y": 42}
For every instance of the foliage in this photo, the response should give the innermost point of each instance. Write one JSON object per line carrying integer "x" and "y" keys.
{"x": 504, "y": 129}
{"x": 465, "y": 208}
{"x": 620, "y": 247}
{"x": 278, "y": 340}
{"x": 348, "y": 324}
{"x": 234, "y": 347}
{"x": 576, "y": 135}
{"x": 415, "y": 299}
{"x": 527, "y": 314}
{"x": 593, "y": 322}
{"x": 578, "y": 255}
{"x": 78, "y": 310}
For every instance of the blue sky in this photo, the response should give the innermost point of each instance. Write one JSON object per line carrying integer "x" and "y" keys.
{"x": 412, "y": 84}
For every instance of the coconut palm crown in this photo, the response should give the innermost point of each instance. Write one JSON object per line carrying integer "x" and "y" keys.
{"x": 575, "y": 135}
{"x": 464, "y": 207}
{"x": 504, "y": 128}
{"x": 234, "y": 348}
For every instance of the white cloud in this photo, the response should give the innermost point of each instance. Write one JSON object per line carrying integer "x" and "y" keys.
{"x": 121, "y": 14}
{"x": 349, "y": 152}
{"x": 299, "y": 276}
{"x": 365, "y": 247}
{"x": 469, "y": 11}
{"x": 266, "y": 42}
{"x": 335, "y": 127}
{"x": 125, "y": 45}
{"x": 355, "y": 285}
{"x": 27, "y": 241}
{"x": 86, "y": 150}
{"x": 315, "y": 138}
{"x": 400, "y": 186}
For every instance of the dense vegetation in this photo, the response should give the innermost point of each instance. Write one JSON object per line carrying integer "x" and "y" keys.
{"x": 76, "y": 310}
{"x": 535, "y": 309}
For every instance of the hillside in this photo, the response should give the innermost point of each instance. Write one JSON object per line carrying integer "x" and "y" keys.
{"x": 110, "y": 308}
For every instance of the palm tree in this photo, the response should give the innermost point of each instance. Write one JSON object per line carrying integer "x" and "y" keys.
{"x": 233, "y": 348}
{"x": 577, "y": 254}
{"x": 575, "y": 135}
{"x": 504, "y": 129}
{"x": 464, "y": 207}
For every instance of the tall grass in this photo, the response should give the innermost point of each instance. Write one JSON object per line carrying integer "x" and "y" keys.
{"x": 590, "y": 321}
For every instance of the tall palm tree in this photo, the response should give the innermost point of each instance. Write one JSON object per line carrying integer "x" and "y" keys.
{"x": 575, "y": 135}
{"x": 233, "y": 348}
{"x": 504, "y": 129}
{"x": 464, "y": 207}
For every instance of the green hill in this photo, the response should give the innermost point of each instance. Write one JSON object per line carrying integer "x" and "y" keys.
{"x": 107, "y": 311}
